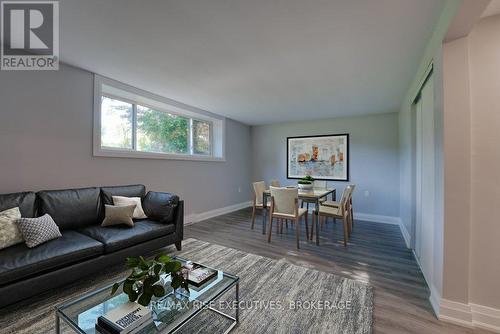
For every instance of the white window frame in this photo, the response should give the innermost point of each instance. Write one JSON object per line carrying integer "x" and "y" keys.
{"x": 117, "y": 90}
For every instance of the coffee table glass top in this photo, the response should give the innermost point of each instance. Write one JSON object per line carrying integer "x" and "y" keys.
{"x": 170, "y": 312}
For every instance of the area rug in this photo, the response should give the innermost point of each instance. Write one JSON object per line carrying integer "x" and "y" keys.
{"x": 275, "y": 297}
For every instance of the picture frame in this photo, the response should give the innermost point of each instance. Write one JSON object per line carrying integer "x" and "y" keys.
{"x": 323, "y": 157}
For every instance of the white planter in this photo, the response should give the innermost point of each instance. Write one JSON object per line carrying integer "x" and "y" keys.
{"x": 305, "y": 186}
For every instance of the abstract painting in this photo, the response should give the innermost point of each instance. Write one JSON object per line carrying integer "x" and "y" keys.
{"x": 324, "y": 157}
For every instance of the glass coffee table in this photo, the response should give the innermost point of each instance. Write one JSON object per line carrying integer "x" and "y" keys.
{"x": 170, "y": 313}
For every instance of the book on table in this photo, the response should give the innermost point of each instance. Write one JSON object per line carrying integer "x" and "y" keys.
{"x": 128, "y": 318}
{"x": 199, "y": 275}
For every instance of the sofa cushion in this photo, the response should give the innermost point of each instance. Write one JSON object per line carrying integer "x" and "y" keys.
{"x": 72, "y": 208}
{"x": 25, "y": 201}
{"x": 136, "y": 190}
{"x": 118, "y": 237}
{"x": 19, "y": 261}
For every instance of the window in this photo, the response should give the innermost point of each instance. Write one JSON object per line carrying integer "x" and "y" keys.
{"x": 159, "y": 131}
{"x": 129, "y": 122}
{"x": 116, "y": 123}
{"x": 201, "y": 137}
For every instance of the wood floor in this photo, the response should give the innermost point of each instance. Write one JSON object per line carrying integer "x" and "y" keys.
{"x": 376, "y": 255}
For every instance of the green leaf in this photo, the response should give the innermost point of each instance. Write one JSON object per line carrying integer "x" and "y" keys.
{"x": 162, "y": 258}
{"x": 133, "y": 296}
{"x": 157, "y": 269}
{"x": 143, "y": 264}
{"x": 128, "y": 286}
{"x": 148, "y": 284}
{"x": 115, "y": 287}
{"x": 138, "y": 274}
{"x": 158, "y": 290}
{"x": 132, "y": 262}
{"x": 173, "y": 267}
{"x": 145, "y": 298}
{"x": 176, "y": 281}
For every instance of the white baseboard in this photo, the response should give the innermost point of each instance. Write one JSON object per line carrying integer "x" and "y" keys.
{"x": 377, "y": 218}
{"x": 197, "y": 217}
{"x": 470, "y": 315}
{"x": 385, "y": 220}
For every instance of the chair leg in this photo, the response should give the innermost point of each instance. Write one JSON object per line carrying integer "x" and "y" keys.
{"x": 350, "y": 225}
{"x": 297, "y": 231}
{"x": 312, "y": 226}
{"x": 281, "y": 226}
{"x": 286, "y": 222}
{"x": 270, "y": 228}
{"x": 253, "y": 217}
{"x": 278, "y": 226}
{"x": 352, "y": 218}
{"x": 306, "y": 218}
{"x": 345, "y": 231}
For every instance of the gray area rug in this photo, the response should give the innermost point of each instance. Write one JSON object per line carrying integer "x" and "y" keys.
{"x": 275, "y": 297}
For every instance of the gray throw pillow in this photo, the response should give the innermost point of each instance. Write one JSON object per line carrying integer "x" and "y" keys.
{"x": 36, "y": 231}
{"x": 118, "y": 215}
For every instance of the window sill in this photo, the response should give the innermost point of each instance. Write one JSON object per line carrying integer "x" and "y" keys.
{"x": 150, "y": 155}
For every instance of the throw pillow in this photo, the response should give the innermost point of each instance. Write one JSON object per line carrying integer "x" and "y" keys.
{"x": 124, "y": 201}
{"x": 36, "y": 231}
{"x": 118, "y": 215}
{"x": 160, "y": 206}
{"x": 9, "y": 232}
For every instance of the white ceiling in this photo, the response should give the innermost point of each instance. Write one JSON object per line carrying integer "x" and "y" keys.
{"x": 492, "y": 9}
{"x": 256, "y": 61}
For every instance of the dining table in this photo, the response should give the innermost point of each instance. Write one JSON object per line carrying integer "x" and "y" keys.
{"x": 313, "y": 195}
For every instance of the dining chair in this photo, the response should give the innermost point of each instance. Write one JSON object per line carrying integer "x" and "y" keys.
{"x": 341, "y": 212}
{"x": 351, "y": 210}
{"x": 285, "y": 206}
{"x": 321, "y": 184}
{"x": 258, "y": 192}
{"x": 275, "y": 183}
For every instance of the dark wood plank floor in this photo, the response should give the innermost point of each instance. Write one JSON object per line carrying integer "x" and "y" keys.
{"x": 376, "y": 255}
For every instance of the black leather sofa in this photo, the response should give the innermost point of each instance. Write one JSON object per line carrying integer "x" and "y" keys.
{"x": 85, "y": 247}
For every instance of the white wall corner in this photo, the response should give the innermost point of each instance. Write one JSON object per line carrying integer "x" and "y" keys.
{"x": 197, "y": 217}
{"x": 470, "y": 315}
{"x": 405, "y": 233}
{"x": 435, "y": 300}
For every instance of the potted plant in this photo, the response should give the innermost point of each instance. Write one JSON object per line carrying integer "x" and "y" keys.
{"x": 306, "y": 183}
{"x": 144, "y": 281}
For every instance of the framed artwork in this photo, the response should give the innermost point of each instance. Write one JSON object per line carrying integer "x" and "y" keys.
{"x": 324, "y": 157}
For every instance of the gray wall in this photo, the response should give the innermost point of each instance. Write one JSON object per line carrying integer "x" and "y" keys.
{"x": 46, "y": 142}
{"x": 374, "y": 157}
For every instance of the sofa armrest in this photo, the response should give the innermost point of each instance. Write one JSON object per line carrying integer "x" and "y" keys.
{"x": 179, "y": 222}
{"x": 160, "y": 206}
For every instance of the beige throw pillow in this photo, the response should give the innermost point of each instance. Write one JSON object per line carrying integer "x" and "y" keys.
{"x": 118, "y": 215}
{"x": 123, "y": 201}
{"x": 9, "y": 232}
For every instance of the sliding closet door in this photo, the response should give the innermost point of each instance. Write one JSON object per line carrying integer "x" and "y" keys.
{"x": 425, "y": 171}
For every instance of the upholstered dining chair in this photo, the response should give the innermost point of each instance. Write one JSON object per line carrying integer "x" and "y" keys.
{"x": 275, "y": 183}
{"x": 351, "y": 210}
{"x": 285, "y": 206}
{"x": 341, "y": 212}
{"x": 258, "y": 192}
